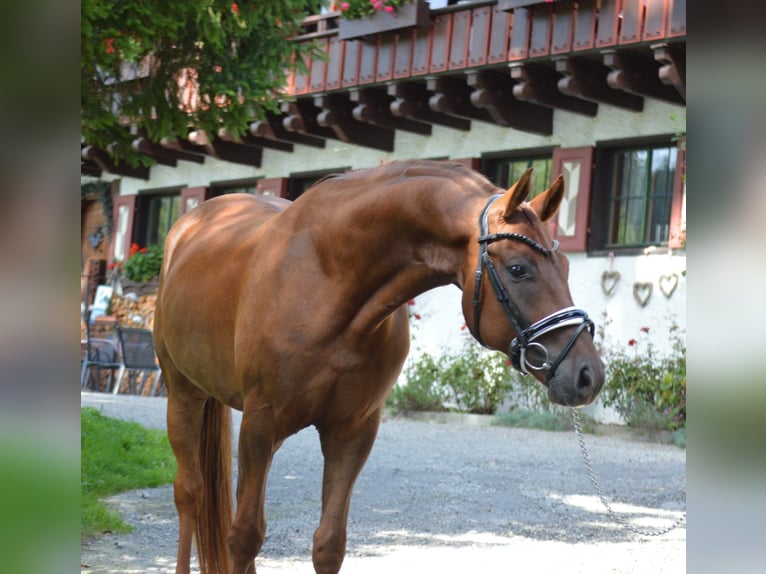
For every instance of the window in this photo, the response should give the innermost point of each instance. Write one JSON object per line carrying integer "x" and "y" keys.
{"x": 637, "y": 194}
{"x": 504, "y": 172}
{"x": 155, "y": 214}
{"x": 641, "y": 182}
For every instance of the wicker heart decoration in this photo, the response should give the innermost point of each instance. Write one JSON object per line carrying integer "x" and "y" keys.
{"x": 668, "y": 284}
{"x": 609, "y": 281}
{"x": 642, "y": 292}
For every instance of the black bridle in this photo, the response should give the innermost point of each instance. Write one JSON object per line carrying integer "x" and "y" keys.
{"x": 526, "y": 334}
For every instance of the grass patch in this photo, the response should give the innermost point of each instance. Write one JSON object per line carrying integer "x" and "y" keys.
{"x": 542, "y": 420}
{"x": 117, "y": 456}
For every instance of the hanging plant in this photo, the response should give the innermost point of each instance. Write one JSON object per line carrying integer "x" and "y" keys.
{"x": 100, "y": 191}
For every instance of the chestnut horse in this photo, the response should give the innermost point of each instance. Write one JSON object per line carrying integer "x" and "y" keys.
{"x": 295, "y": 314}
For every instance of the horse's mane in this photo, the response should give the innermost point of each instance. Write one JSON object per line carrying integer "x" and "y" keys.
{"x": 392, "y": 170}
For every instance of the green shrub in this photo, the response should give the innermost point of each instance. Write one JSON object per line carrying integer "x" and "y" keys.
{"x": 143, "y": 263}
{"x": 423, "y": 390}
{"x": 647, "y": 388}
{"x": 473, "y": 380}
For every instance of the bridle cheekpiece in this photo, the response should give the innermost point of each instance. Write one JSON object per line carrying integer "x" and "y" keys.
{"x": 526, "y": 334}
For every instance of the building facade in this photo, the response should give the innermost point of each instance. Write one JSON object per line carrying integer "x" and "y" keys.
{"x": 593, "y": 89}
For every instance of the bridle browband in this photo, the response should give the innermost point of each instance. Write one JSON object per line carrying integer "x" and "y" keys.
{"x": 526, "y": 334}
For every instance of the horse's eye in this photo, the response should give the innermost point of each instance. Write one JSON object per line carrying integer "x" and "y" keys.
{"x": 518, "y": 271}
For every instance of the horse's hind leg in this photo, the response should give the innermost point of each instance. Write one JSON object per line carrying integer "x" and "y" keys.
{"x": 345, "y": 452}
{"x": 257, "y": 444}
{"x": 184, "y": 422}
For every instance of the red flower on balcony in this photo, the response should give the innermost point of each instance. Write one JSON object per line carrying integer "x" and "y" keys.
{"x": 235, "y": 8}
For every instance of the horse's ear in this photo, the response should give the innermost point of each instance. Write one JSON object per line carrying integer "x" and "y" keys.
{"x": 547, "y": 203}
{"x": 515, "y": 195}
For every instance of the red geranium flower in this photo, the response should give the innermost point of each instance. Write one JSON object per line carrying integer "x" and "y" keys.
{"x": 411, "y": 302}
{"x": 645, "y": 329}
{"x": 631, "y": 343}
{"x": 235, "y": 8}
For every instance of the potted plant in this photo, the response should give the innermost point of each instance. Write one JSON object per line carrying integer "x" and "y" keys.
{"x": 140, "y": 271}
{"x": 360, "y": 18}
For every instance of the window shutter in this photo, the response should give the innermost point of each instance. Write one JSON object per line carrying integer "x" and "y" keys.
{"x": 677, "y": 236}
{"x": 124, "y": 210}
{"x": 571, "y": 222}
{"x": 276, "y": 186}
{"x": 191, "y": 197}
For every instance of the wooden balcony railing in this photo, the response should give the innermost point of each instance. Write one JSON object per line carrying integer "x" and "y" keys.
{"x": 484, "y": 35}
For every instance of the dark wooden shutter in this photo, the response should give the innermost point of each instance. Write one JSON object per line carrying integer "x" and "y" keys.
{"x": 122, "y": 233}
{"x": 677, "y": 232}
{"x": 276, "y": 186}
{"x": 571, "y": 227}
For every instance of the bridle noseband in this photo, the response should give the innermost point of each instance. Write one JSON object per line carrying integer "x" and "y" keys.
{"x": 526, "y": 334}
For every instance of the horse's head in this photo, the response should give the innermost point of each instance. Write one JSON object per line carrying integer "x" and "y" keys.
{"x": 516, "y": 297}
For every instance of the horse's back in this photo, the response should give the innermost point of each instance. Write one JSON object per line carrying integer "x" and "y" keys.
{"x": 210, "y": 254}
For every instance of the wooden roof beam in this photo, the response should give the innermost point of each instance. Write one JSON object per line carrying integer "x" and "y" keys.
{"x": 672, "y": 59}
{"x": 452, "y": 96}
{"x": 374, "y": 107}
{"x": 301, "y": 118}
{"x": 145, "y": 146}
{"x": 227, "y": 151}
{"x": 254, "y": 141}
{"x": 587, "y": 79}
{"x": 638, "y": 74}
{"x": 337, "y": 114}
{"x": 494, "y": 94}
{"x": 271, "y": 128}
{"x": 105, "y": 162}
{"x": 539, "y": 85}
{"x": 411, "y": 102}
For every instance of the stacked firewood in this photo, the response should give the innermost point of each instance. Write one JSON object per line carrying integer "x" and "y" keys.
{"x": 138, "y": 312}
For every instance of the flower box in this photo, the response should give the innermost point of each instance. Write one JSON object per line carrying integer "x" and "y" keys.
{"x": 413, "y": 15}
{"x": 509, "y": 5}
{"x": 139, "y": 287}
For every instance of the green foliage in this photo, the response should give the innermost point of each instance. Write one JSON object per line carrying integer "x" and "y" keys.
{"x": 143, "y": 263}
{"x": 423, "y": 391}
{"x": 471, "y": 381}
{"x": 478, "y": 380}
{"x": 117, "y": 456}
{"x": 141, "y": 61}
{"x": 351, "y": 9}
{"x": 648, "y": 389}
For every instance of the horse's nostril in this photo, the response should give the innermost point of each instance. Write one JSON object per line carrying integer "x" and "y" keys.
{"x": 585, "y": 379}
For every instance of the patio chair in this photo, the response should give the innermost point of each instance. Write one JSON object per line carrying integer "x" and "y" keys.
{"x": 101, "y": 352}
{"x": 138, "y": 358}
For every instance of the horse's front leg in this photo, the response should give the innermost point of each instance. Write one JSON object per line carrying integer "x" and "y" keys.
{"x": 345, "y": 451}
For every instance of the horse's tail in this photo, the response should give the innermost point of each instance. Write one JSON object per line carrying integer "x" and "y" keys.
{"x": 215, "y": 513}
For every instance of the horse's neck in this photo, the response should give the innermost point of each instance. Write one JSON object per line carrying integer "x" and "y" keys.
{"x": 381, "y": 253}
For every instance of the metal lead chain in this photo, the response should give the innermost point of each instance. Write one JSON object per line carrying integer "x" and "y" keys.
{"x": 616, "y": 517}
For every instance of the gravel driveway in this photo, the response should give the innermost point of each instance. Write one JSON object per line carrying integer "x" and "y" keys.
{"x": 447, "y": 498}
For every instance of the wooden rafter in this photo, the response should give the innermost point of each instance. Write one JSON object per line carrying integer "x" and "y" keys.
{"x": 672, "y": 59}
{"x": 539, "y": 85}
{"x": 587, "y": 79}
{"x": 493, "y": 93}
{"x": 374, "y": 107}
{"x": 638, "y": 74}
{"x": 411, "y": 102}
{"x": 337, "y": 114}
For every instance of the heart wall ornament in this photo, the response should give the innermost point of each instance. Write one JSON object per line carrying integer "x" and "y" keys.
{"x": 642, "y": 292}
{"x": 668, "y": 284}
{"x": 609, "y": 281}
